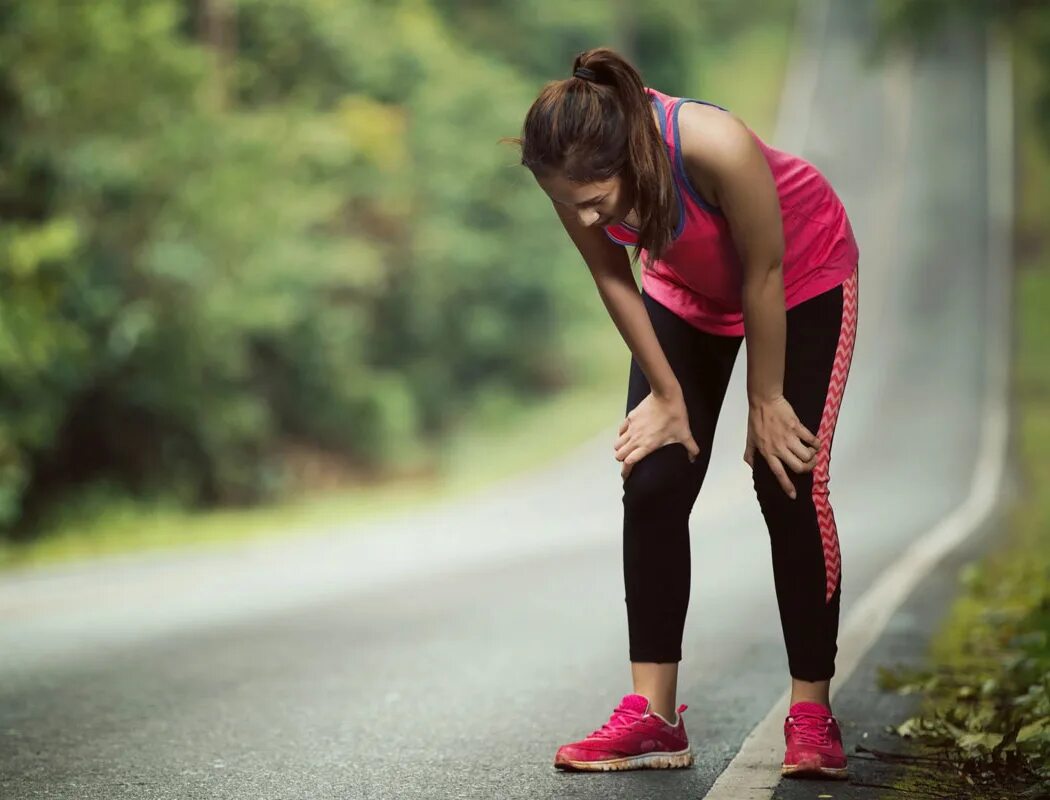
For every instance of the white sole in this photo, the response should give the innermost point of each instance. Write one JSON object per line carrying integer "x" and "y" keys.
{"x": 678, "y": 760}
{"x": 806, "y": 770}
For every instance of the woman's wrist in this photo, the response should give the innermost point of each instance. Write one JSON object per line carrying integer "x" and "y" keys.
{"x": 668, "y": 392}
{"x": 758, "y": 399}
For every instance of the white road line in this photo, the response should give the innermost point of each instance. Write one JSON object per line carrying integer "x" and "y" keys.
{"x": 754, "y": 772}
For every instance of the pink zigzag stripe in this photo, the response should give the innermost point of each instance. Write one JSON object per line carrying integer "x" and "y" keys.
{"x": 829, "y": 536}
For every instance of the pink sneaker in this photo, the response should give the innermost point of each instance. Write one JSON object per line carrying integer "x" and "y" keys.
{"x": 633, "y": 738}
{"x": 814, "y": 743}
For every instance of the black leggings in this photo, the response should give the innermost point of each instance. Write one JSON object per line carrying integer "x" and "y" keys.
{"x": 659, "y": 493}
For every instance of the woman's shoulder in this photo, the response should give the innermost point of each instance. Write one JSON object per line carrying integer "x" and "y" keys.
{"x": 708, "y": 131}
{"x": 710, "y": 141}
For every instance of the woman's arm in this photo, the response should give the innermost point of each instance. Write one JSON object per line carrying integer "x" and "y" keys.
{"x": 721, "y": 155}
{"x": 611, "y": 269}
{"x": 662, "y": 417}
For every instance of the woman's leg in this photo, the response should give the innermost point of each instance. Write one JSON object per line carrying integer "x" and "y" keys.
{"x": 803, "y": 535}
{"x": 658, "y": 497}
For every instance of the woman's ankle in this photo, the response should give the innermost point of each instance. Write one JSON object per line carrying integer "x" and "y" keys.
{"x": 658, "y": 683}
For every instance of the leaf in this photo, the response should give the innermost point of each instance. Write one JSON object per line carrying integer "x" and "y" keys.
{"x": 982, "y": 741}
{"x": 1033, "y": 729}
{"x": 909, "y": 727}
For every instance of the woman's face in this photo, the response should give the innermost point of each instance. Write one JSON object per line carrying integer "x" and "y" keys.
{"x": 597, "y": 203}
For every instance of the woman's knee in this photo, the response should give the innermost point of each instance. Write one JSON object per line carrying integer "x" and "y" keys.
{"x": 662, "y": 479}
{"x": 767, "y": 486}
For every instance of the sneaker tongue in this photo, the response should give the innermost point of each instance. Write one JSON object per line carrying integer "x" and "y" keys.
{"x": 635, "y": 702}
{"x": 809, "y": 708}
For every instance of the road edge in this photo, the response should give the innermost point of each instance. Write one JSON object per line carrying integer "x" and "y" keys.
{"x": 754, "y": 772}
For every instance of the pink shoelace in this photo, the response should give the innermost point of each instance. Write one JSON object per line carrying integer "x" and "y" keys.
{"x": 812, "y": 729}
{"x": 621, "y": 718}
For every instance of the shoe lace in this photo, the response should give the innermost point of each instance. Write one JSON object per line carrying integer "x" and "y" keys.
{"x": 812, "y": 729}
{"x": 621, "y": 718}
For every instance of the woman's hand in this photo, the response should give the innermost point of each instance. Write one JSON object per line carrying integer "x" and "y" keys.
{"x": 653, "y": 423}
{"x": 775, "y": 431}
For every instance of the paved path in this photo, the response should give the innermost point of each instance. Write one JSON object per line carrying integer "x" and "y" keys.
{"x": 448, "y": 653}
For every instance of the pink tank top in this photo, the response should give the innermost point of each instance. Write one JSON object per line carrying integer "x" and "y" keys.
{"x": 700, "y": 275}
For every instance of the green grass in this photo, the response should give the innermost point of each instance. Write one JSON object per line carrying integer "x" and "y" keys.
{"x": 503, "y": 439}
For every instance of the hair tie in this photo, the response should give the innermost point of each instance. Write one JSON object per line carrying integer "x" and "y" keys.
{"x": 585, "y": 73}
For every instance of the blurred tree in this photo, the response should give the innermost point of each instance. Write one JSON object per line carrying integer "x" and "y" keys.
{"x": 341, "y": 256}
{"x": 1027, "y": 21}
{"x": 217, "y": 27}
{"x": 231, "y": 230}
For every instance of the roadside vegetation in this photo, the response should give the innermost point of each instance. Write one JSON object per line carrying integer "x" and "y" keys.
{"x": 985, "y": 693}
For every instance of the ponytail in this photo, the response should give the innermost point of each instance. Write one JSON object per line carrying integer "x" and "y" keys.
{"x": 596, "y": 125}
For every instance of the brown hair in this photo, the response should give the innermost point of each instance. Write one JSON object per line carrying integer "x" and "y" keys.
{"x": 592, "y": 130}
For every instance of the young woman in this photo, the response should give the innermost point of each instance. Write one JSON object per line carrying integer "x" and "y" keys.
{"x": 737, "y": 240}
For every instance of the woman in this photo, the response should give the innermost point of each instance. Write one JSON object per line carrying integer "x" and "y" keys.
{"x": 737, "y": 240}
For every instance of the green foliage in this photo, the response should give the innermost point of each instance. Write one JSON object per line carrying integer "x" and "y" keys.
{"x": 987, "y": 704}
{"x": 986, "y": 698}
{"x": 305, "y": 238}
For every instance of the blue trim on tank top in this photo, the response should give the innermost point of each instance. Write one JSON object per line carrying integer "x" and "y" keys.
{"x": 618, "y": 241}
{"x": 680, "y": 164}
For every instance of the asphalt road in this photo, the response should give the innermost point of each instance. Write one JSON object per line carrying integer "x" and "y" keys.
{"x": 449, "y": 652}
